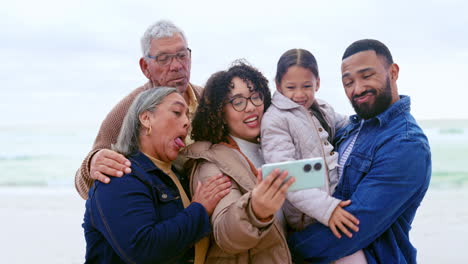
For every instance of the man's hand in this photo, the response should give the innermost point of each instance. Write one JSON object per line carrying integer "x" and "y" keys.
{"x": 108, "y": 162}
{"x": 211, "y": 192}
{"x": 340, "y": 219}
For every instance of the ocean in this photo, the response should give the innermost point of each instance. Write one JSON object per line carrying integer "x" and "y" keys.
{"x": 49, "y": 155}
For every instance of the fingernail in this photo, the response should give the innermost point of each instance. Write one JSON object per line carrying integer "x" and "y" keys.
{"x": 127, "y": 163}
{"x": 119, "y": 173}
{"x": 107, "y": 180}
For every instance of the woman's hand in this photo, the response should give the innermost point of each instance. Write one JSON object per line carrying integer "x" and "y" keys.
{"x": 211, "y": 192}
{"x": 342, "y": 220}
{"x": 269, "y": 194}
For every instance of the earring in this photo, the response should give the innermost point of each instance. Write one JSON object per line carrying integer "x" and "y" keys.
{"x": 148, "y": 132}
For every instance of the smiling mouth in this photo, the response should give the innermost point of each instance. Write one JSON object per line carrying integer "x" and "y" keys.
{"x": 363, "y": 97}
{"x": 300, "y": 102}
{"x": 250, "y": 120}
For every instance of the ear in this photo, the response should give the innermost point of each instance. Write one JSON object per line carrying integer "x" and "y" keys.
{"x": 394, "y": 70}
{"x": 144, "y": 68}
{"x": 145, "y": 119}
{"x": 318, "y": 85}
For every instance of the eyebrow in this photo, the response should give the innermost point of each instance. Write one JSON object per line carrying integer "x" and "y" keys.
{"x": 179, "y": 103}
{"x": 164, "y": 53}
{"x": 360, "y": 71}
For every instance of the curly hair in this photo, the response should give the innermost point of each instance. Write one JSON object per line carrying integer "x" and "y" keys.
{"x": 208, "y": 123}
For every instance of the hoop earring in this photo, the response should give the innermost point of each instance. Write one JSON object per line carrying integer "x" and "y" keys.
{"x": 148, "y": 132}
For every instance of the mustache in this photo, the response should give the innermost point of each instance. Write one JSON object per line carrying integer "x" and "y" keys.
{"x": 370, "y": 91}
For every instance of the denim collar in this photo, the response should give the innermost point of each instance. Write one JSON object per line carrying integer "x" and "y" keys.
{"x": 144, "y": 163}
{"x": 400, "y": 106}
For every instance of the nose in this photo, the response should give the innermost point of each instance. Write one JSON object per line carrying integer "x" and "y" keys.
{"x": 186, "y": 122}
{"x": 358, "y": 87}
{"x": 175, "y": 64}
{"x": 250, "y": 106}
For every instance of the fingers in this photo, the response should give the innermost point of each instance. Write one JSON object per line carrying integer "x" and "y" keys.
{"x": 271, "y": 184}
{"x": 350, "y": 221}
{"x": 264, "y": 184}
{"x": 344, "y": 230}
{"x": 345, "y": 203}
{"x": 100, "y": 177}
{"x": 110, "y": 163}
{"x": 259, "y": 176}
{"x": 334, "y": 231}
{"x": 199, "y": 186}
{"x": 212, "y": 182}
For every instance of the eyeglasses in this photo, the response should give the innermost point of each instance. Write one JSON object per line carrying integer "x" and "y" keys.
{"x": 239, "y": 103}
{"x": 166, "y": 59}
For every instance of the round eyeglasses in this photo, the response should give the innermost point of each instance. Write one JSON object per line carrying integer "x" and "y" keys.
{"x": 165, "y": 59}
{"x": 239, "y": 103}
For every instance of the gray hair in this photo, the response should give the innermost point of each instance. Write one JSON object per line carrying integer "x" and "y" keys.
{"x": 128, "y": 142}
{"x": 160, "y": 29}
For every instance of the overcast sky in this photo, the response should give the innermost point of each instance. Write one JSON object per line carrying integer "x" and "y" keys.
{"x": 73, "y": 60}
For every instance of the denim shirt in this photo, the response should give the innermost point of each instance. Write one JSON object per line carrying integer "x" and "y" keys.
{"x": 386, "y": 177}
{"x": 140, "y": 218}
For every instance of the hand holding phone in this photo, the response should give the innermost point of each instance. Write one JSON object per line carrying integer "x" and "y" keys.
{"x": 309, "y": 173}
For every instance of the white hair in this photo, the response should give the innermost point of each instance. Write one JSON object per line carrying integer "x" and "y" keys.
{"x": 160, "y": 29}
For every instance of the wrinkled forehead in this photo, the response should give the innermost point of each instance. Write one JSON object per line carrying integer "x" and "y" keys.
{"x": 170, "y": 44}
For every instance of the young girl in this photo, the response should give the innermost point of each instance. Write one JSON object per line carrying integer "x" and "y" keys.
{"x": 299, "y": 126}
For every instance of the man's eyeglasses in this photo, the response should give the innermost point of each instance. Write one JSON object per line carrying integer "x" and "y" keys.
{"x": 239, "y": 103}
{"x": 166, "y": 59}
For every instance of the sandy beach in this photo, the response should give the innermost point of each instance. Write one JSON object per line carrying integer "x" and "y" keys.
{"x": 43, "y": 225}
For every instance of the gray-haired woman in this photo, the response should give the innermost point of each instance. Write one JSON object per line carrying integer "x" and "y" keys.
{"x": 146, "y": 216}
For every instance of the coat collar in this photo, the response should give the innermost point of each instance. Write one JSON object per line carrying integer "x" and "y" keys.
{"x": 228, "y": 160}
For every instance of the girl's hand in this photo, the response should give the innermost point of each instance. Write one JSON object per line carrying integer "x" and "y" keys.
{"x": 342, "y": 220}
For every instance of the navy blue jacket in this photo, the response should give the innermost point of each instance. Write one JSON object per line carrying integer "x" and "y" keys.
{"x": 140, "y": 218}
{"x": 386, "y": 177}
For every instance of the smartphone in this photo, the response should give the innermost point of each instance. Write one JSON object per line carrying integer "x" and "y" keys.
{"x": 309, "y": 173}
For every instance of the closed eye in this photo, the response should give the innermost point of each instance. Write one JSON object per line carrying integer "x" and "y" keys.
{"x": 347, "y": 84}
{"x": 366, "y": 76}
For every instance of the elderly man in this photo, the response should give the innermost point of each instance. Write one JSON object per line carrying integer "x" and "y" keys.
{"x": 166, "y": 61}
{"x": 385, "y": 164}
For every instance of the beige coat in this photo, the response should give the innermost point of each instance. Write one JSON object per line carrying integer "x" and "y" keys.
{"x": 238, "y": 236}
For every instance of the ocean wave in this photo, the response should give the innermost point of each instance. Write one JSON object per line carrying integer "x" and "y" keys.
{"x": 25, "y": 157}
{"x": 457, "y": 131}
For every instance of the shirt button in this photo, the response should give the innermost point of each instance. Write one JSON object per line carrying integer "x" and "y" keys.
{"x": 320, "y": 129}
{"x": 325, "y": 143}
{"x": 332, "y": 153}
{"x": 164, "y": 196}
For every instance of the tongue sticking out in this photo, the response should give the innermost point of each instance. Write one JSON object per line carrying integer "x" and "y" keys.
{"x": 179, "y": 143}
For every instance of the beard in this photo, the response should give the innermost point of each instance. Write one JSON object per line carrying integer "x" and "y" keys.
{"x": 383, "y": 100}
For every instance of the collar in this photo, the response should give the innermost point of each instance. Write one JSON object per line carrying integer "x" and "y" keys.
{"x": 400, "y": 106}
{"x": 164, "y": 166}
{"x": 193, "y": 102}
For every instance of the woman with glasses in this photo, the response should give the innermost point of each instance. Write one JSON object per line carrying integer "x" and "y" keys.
{"x": 247, "y": 223}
